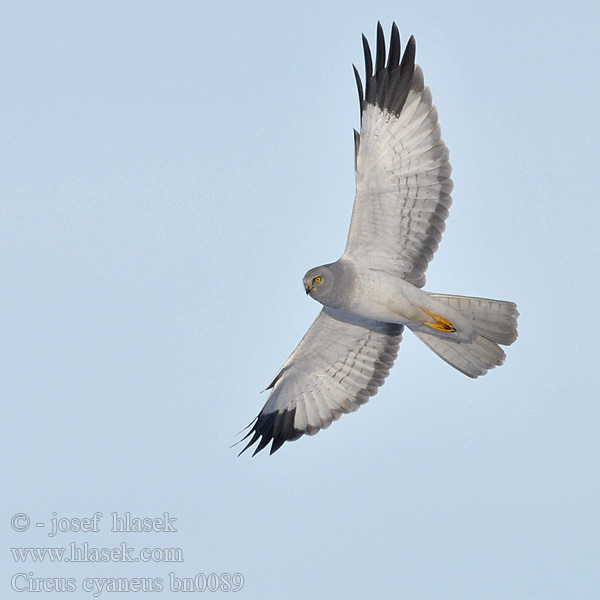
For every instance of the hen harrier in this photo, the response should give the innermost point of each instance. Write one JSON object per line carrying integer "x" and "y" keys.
{"x": 402, "y": 198}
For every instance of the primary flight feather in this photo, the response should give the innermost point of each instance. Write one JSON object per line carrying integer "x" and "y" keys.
{"x": 402, "y": 199}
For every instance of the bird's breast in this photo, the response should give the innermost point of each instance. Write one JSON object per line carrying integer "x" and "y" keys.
{"x": 385, "y": 297}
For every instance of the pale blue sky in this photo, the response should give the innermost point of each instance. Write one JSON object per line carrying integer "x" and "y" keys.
{"x": 168, "y": 174}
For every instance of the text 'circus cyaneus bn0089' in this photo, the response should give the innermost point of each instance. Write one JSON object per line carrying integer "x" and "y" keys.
{"x": 374, "y": 290}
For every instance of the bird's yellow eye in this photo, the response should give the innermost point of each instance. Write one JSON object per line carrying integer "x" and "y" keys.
{"x": 317, "y": 279}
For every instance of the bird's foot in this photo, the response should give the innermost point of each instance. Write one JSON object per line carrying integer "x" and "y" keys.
{"x": 440, "y": 323}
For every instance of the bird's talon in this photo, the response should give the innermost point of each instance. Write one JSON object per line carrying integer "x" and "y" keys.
{"x": 440, "y": 323}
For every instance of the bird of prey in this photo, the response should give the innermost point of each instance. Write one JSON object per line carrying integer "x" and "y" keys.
{"x": 374, "y": 290}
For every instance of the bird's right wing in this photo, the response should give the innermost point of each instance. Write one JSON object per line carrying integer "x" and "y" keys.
{"x": 403, "y": 180}
{"x": 339, "y": 364}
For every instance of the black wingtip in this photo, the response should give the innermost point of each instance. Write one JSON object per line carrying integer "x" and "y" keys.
{"x": 356, "y": 141}
{"x": 395, "y": 49}
{"x": 250, "y": 443}
{"x": 276, "y": 427}
{"x": 410, "y": 52}
{"x": 368, "y": 58}
{"x": 380, "y": 54}
{"x": 359, "y": 86}
{"x": 388, "y": 86}
{"x": 277, "y": 443}
{"x": 261, "y": 445}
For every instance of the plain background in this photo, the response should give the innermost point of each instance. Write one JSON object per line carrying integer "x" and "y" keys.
{"x": 169, "y": 171}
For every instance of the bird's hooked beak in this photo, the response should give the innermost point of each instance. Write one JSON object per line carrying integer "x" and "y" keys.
{"x": 307, "y": 287}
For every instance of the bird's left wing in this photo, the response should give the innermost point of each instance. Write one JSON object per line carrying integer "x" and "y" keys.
{"x": 339, "y": 364}
{"x": 403, "y": 180}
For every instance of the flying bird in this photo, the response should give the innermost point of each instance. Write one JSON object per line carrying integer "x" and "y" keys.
{"x": 374, "y": 290}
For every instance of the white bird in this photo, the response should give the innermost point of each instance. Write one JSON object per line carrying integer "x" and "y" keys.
{"x": 402, "y": 199}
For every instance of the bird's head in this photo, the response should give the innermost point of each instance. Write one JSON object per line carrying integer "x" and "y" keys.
{"x": 331, "y": 285}
{"x": 314, "y": 280}
{"x": 325, "y": 282}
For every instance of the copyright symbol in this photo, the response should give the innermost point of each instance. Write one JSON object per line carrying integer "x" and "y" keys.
{"x": 20, "y": 522}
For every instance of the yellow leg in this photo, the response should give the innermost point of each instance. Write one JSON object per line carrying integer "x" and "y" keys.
{"x": 440, "y": 323}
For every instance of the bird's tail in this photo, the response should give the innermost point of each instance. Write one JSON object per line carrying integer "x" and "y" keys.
{"x": 495, "y": 322}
